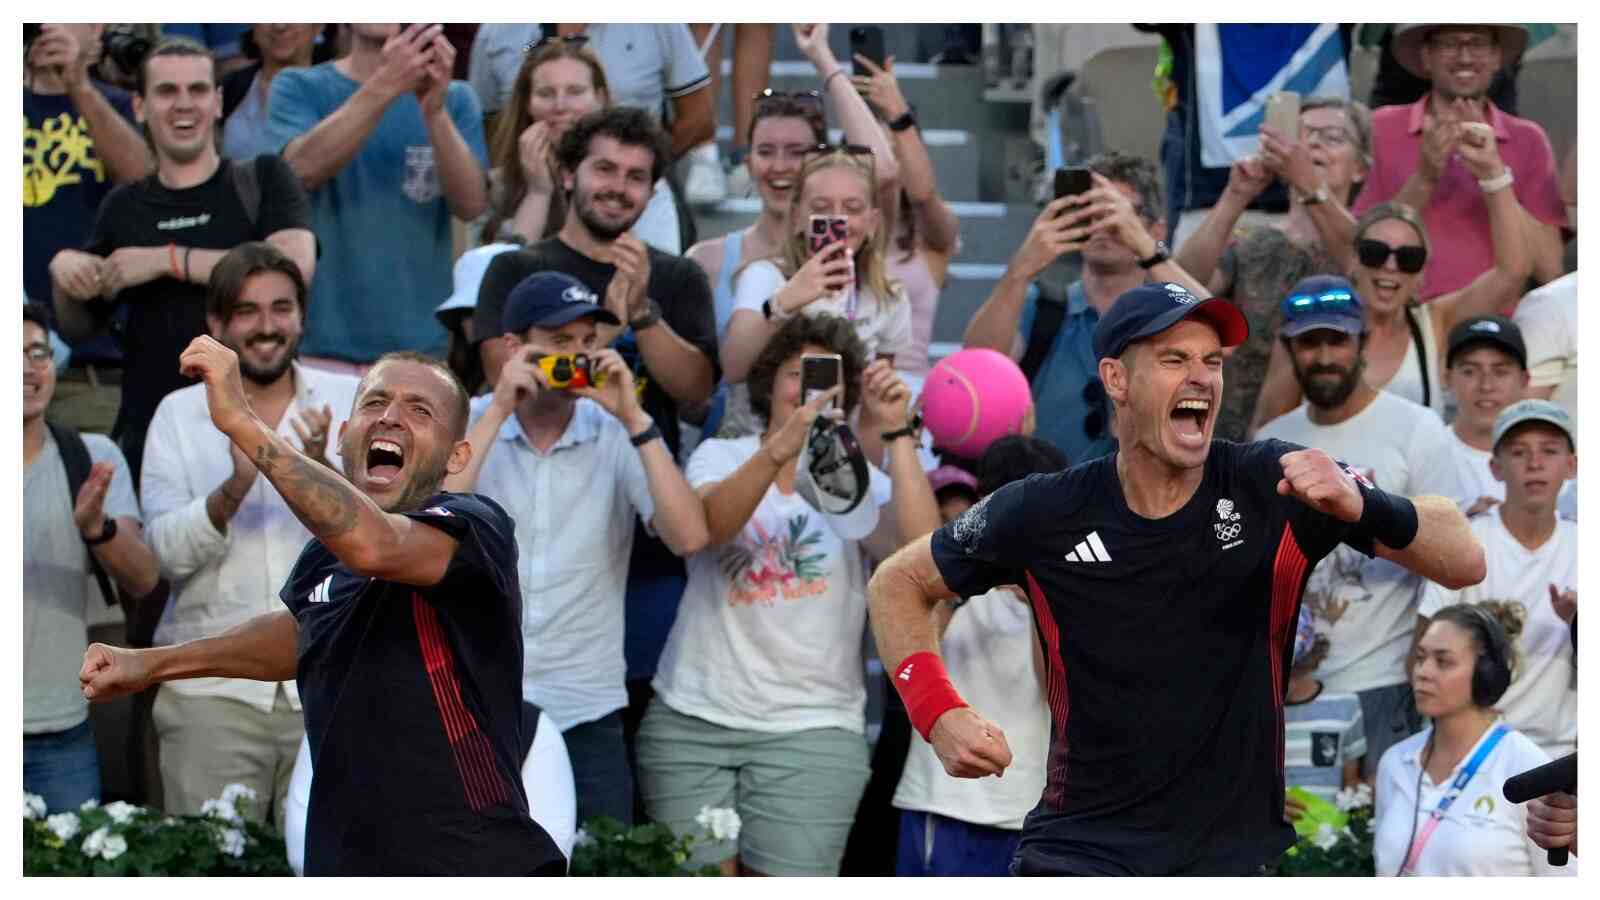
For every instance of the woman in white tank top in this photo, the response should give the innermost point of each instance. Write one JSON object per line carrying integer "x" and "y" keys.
{"x": 1403, "y": 340}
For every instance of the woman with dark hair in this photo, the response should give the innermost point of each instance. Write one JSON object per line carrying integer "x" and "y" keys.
{"x": 760, "y": 693}
{"x": 560, "y": 81}
{"x": 273, "y": 47}
{"x": 1440, "y": 807}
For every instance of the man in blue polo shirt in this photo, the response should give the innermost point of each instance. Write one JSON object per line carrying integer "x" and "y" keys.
{"x": 403, "y": 632}
{"x": 1165, "y": 582}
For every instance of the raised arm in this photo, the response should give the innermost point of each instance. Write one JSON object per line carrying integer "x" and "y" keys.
{"x": 937, "y": 225}
{"x": 369, "y": 541}
{"x": 262, "y": 649}
{"x": 461, "y": 175}
{"x": 731, "y": 502}
{"x": 1053, "y": 234}
{"x": 116, "y": 142}
{"x": 1502, "y": 284}
{"x": 1425, "y": 535}
{"x": 887, "y": 403}
{"x": 860, "y": 125}
{"x": 1201, "y": 250}
{"x": 1291, "y": 161}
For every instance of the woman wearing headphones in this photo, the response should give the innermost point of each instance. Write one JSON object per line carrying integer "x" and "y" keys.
{"x": 1440, "y": 810}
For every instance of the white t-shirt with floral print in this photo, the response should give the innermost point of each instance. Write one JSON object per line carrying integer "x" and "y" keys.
{"x": 768, "y": 635}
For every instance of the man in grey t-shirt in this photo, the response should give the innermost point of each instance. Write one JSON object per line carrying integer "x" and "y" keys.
{"x": 59, "y": 534}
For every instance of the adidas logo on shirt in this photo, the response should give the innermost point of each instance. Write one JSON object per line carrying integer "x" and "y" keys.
{"x": 1089, "y": 550}
{"x": 319, "y": 594}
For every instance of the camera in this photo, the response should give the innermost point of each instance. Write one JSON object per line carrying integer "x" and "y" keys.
{"x": 569, "y": 371}
{"x": 125, "y": 47}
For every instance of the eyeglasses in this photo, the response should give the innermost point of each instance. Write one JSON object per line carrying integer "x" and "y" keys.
{"x": 1094, "y": 397}
{"x": 575, "y": 40}
{"x": 1334, "y": 301}
{"x": 1327, "y": 135}
{"x": 1409, "y": 259}
{"x": 810, "y": 101}
{"x": 37, "y": 355}
{"x": 1476, "y": 45}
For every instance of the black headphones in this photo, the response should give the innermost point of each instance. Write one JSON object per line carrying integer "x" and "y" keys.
{"x": 1491, "y": 675}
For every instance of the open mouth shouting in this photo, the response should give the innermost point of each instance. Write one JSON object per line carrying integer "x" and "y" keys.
{"x": 384, "y": 462}
{"x": 1189, "y": 419}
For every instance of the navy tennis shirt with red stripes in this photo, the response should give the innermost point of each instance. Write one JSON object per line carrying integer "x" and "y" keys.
{"x": 412, "y": 700}
{"x": 1167, "y": 645}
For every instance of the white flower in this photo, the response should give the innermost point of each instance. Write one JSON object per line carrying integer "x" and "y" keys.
{"x": 88, "y": 804}
{"x": 1348, "y": 799}
{"x": 231, "y": 842}
{"x": 723, "y": 822}
{"x": 1326, "y": 837}
{"x": 120, "y": 811}
{"x": 116, "y": 845}
{"x": 582, "y": 839}
{"x": 33, "y": 806}
{"x": 65, "y": 825}
{"x": 232, "y": 793}
{"x": 220, "y": 809}
{"x": 96, "y": 841}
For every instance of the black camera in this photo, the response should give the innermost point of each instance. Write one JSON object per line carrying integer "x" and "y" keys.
{"x": 125, "y": 47}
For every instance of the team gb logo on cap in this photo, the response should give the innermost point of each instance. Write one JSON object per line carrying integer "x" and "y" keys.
{"x": 577, "y": 294}
{"x": 1178, "y": 293}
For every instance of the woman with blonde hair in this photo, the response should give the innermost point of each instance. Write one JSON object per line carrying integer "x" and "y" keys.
{"x": 561, "y": 80}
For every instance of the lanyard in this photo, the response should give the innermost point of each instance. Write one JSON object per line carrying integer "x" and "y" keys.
{"x": 1456, "y": 787}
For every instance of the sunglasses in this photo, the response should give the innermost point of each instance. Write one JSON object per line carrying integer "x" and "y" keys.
{"x": 810, "y": 101}
{"x": 1409, "y": 259}
{"x": 1337, "y": 301}
{"x": 576, "y": 40}
{"x": 1094, "y": 397}
{"x": 855, "y": 152}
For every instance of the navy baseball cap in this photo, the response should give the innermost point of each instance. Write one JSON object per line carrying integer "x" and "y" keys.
{"x": 1153, "y": 308}
{"x": 551, "y": 300}
{"x": 1496, "y": 330}
{"x": 1323, "y": 301}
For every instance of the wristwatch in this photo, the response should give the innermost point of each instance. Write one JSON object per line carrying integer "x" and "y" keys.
{"x": 106, "y": 535}
{"x": 652, "y": 315}
{"x": 911, "y": 430}
{"x": 1320, "y": 195}
{"x": 646, "y": 436}
{"x": 1156, "y": 258}
{"x": 903, "y": 121}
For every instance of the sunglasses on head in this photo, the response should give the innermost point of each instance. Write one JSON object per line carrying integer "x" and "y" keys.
{"x": 1409, "y": 259}
{"x": 1298, "y": 305}
{"x": 854, "y": 152}
{"x": 576, "y": 40}
{"x": 808, "y": 100}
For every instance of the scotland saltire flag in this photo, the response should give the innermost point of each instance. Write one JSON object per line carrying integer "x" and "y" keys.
{"x": 1238, "y": 66}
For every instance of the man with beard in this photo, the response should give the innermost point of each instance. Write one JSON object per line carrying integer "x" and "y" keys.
{"x": 1366, "y": 607}
{"x": 1116, "y": 228}
{"x": 402, "y": 632}
{"x": 157, "y": 239}
{"x": 1165, "y": 583}
{"x": 390, "y": 148}
{"x": 1415, "y": 160}
{"x": 609, "y": 160}
{"x": 227, "y": 539}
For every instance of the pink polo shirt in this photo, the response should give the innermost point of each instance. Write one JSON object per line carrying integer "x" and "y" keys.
{"x": 1456, "y": 216}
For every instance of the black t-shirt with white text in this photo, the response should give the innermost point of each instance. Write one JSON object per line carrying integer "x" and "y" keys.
{"x": 1167, "y": 645}
{"x": 413, "y": 706}
{"x": 165, "y": 314}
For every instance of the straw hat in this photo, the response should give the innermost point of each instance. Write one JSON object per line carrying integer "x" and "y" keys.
{"x": 1408, "y": 40}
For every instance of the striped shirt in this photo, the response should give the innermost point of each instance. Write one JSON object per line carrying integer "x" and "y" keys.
{"x": 1320, "y": 735}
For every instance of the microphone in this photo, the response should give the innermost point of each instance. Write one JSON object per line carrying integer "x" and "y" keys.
{"x": 1552, "y": 777}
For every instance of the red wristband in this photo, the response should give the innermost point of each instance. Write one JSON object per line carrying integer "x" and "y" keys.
{"x": 172, "y": 256}
{"x": 925, "y": 687}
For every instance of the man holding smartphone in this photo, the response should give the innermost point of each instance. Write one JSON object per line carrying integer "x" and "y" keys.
{"x": 1109, "y": 213}
{"x": 575, "y": 468}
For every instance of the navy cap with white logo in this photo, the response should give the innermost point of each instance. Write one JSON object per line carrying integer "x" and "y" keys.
{"x": 1152, "y": 308}
{"x": 551, "y": 300}
{"x": 1499, "y": 331}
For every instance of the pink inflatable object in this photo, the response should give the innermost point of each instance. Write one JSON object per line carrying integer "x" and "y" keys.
{"x": 972, "y": 397}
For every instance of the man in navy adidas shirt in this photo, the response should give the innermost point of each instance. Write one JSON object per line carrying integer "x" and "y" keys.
{"x": 1165, "y": 581}
{"x": 405, "y": 612}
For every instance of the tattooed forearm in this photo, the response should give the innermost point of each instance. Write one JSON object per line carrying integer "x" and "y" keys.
{"x": 327, "y": 504}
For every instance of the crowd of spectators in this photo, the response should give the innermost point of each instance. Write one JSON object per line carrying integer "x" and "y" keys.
{"x": 692, "y": 622}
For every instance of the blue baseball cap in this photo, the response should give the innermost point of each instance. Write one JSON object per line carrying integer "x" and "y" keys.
{"x": 1153, "y": 308}
{"x": 1323, "y": 301}
{"x": 551, "y": 300}
{"x": 1524, "y": 411}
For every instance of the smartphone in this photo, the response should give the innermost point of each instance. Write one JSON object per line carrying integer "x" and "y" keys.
{"x": 1283, "y": 113}
{"x": 1072, "y": 180}
{"x": 827, "y": 230}
{"x": 819, "y": 372}
{"x": 867, "y": 41}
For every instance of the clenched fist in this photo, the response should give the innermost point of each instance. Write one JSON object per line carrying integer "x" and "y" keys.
{"x": 217, "y": 366}
{"x": 1317, "y": 480}
{"x": 110, "y": 672}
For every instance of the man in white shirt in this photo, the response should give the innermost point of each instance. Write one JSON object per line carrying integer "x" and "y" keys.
{"x": 1486, "y": 366}
{"x": 228, "y": 540}
{"x": 1532, "y": 554}
{"x": 1366, "y": 606}
{"x": 573, "y": 467}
